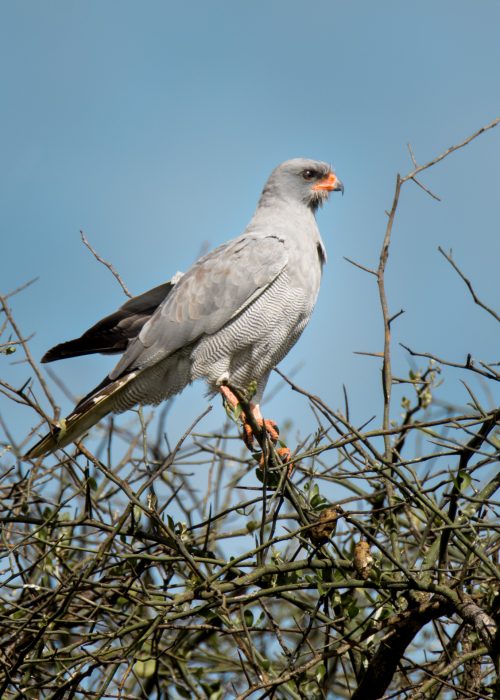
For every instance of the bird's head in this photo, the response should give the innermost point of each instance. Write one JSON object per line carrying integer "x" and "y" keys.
{"x": 303, "y": 180}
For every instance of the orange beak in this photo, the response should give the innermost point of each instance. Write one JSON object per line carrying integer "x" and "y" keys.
{"x": 329, "y": 183}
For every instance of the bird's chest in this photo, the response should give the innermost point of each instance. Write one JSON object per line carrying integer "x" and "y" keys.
{"x": 260, "y": 336}
{"x": 304, "y": 270}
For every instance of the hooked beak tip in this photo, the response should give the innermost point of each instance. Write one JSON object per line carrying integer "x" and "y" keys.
{"x": 330, "y": 183}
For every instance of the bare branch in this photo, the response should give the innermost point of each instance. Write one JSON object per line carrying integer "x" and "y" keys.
{"x": 478, "y": 301}
{"x": 468, "y": 364}
{"x": 29, "y": 356}
{"x": 361, "y": 267}
{"x": 426, "y": 189}
{"x": 106, "y": 264}
{"x": 452, "y": 149}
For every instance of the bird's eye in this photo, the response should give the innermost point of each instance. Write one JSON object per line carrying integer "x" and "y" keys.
{"x": 309, "y": 174}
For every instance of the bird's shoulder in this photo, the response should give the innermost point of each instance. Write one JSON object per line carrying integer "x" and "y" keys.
{"x": 230, "y": 274}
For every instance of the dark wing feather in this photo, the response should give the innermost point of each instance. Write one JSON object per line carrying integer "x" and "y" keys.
{"x": 112, "y": 334}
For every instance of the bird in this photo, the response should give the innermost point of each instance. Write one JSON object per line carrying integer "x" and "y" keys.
{"x": 229, "y": 319}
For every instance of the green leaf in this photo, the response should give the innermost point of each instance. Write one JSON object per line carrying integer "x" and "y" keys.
{"x": 387, "y": 611}
{"x": 463, "y": 481}
{"x": 137, "y": 511}
{"x": 310, "y": 690}
{"x": 317, "y": 501}
{"x": 352, "y": 610}
{"x": 251, "y": 389}
{"x": 320, "y": 672}
{"x": 260, "y": 619}
{"x": 335, "y": 597}
{"x": 252, "y": 525}
{"x": 248, "y": 616}
{"x": 145, "y": 669}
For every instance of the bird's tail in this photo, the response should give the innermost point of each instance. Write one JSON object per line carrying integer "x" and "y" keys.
{"x": 101, "y": 401}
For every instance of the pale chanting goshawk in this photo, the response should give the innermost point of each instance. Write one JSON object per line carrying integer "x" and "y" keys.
{"x": 229, "y": 319}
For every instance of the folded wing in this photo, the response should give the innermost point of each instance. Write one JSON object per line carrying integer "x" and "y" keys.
{"x": 215, "y": 290}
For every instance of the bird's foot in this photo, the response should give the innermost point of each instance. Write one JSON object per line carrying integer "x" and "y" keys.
{"x": 270, "y": 426}
{"x": 286, "y": 455}
{"x": 274, "y": 477}
{"x": 232, "y": 402}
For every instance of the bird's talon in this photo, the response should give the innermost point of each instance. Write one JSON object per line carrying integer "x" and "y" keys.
{"x": 272, "y": 429}
{"x": 286, "y": 455}
{"x": 248, "y": 436}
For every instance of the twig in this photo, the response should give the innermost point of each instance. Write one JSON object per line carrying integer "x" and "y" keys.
{"x": 361, "y": 267}
{"x": 478, "y": 301}
{"x": 412, "y": 155}
{"x": 29, "y": 357}
{"x": 21, "y": 288}
{"x": 450, "y": 150}
{"x": 426, "y": 189}
{"x": 106, "y": 264}
{"x": 468, "y": 364}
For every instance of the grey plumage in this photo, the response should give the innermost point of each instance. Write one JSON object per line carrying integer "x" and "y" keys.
{"x": 229, "y": 319}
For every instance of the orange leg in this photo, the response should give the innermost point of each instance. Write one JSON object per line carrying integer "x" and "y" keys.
{"x": 270, "y": 426}
{"x": 285, "y": 455}
{"x": 248, "y": 436}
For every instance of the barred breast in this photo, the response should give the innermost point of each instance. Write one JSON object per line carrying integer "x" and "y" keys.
{"x": 254, "y": 342}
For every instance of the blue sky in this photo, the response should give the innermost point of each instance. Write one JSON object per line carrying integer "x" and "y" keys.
{"x": 153, "y": 126}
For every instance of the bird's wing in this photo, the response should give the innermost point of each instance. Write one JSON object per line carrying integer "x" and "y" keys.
{"x": 112, "y": 334}
{"x": 217, "y": 288}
